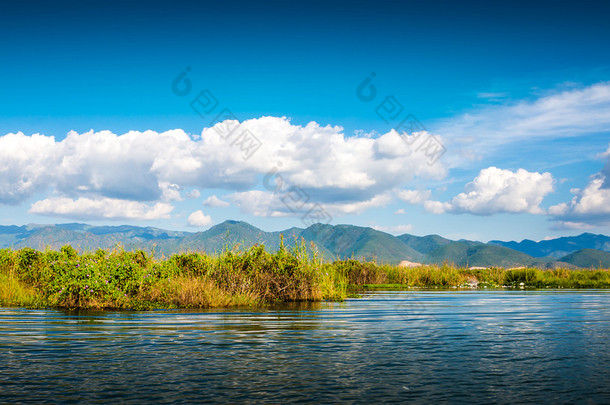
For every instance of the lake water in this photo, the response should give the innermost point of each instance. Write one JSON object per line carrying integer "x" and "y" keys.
{"x": 419, "y": 347}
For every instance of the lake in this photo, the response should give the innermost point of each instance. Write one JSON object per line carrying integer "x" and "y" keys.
{"x": 416, "y": 346}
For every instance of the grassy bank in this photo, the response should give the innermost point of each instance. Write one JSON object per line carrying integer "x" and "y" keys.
{"x": 119, "y": 279}
{"x": 369, "y": 275}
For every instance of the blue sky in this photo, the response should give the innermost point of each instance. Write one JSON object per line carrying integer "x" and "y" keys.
{"x": 517, "y": 95}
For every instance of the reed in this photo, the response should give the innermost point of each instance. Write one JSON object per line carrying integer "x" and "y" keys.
{"x": 120, "y": 279}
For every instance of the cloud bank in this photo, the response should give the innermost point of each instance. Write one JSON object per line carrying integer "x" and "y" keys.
{"x": 93, "y": 172}
{"x": 590, "y": 206}
{"x": 498, "y": 191}
{"x": 104, "y": 208}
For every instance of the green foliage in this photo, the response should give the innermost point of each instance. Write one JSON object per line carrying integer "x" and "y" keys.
{"x": 135, "y": 279}
{"x": 8, "y": 261}
{"x": 588, "y": 258}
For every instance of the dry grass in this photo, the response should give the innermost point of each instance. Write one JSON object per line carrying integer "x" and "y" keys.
{"x": 18, "y": 294}
{"x": 193, "y": 292}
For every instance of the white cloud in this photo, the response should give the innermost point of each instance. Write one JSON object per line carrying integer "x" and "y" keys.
{"x": 340, "y": 208}
{"x": 193, "y": 194}
{"x": 261, "y": 203}
{"x": 155, "y": 167}
{"x": 495, "y": 190}
{"x": 199, "y": 219}
{"x": 295, "y": 202}
{"x": 394, "y": 230}
{"x": 104, "y": 208}
{"x": 605, "y": 154}
{"x": 399, "y": 212}
{"x": 569, "y": 225}
{"x": 214, "y": 201}
{"x": 104, "y": 164}
{"x": 589, "y": 206}
{"x": 26, "y": 165}
{"x": 437, "y": 207}
{"x": 402, "y": 228}
{"x": 414, "y": 196}
{"x": 593, "y": 200}
{"x": 170, "y": 192}
{"x": 559, "y": 209}
{"x": 569, "y": 113}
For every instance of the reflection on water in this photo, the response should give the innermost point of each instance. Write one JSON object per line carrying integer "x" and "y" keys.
{"x": 462, "y": 347}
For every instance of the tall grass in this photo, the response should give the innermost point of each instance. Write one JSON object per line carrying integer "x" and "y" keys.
{"x": 121, "y": 279}
{"x": 446, "y": 276}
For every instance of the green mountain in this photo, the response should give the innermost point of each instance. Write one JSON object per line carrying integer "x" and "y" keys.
{"x": 588, "y": 258}
{"x": 424, "y": 244}
{"x": 452, "y": 253}
{"x": 344, "y": 241}
{"x": 227, "y": 235}
{"x": 481, "y": 255}
{"x": 81, "y": 236}
{"x": 558, "y": 247}
{"x": 54, "y": 238}
{"x": 331, "y": 241}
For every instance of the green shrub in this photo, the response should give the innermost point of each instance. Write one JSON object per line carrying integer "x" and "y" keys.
{"x": 123, "y": 279}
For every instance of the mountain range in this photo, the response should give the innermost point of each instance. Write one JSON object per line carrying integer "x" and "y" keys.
{"x": 332, "y": 242}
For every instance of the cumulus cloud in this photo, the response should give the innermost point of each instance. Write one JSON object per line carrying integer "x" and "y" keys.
{"x": 199, "y": 219}
{"x": 155, "y": 167}
{"x": 193, "y": 194}
{"x": 495, "y": 190}
{"x": 24, "y": 165}
{"x": 590, "y": 206}
{"x": 262, "y": 203}
{"x": 295, "y": 202}
{"x": 414, "y": 196}
{"x": 359, "y": 207}
{"x": 214, "y": 201}
{"x": 106, "y": 208}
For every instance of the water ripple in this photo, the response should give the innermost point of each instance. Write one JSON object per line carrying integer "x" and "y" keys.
{"x": 424, "y": 346}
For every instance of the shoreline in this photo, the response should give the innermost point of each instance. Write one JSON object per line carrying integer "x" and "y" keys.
{"x": 124, "y": 280}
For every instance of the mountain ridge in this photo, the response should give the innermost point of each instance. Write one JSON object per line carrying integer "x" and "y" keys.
{"x": 332, "y": 241}
{"x": 559, "y": 247}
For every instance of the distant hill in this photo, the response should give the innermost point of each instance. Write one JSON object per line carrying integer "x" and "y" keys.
{"x": 227, "y": 235}
{"x": 424, "y": 244}
{"x": 361, "y": 243}
{"x": 588, "y": 258}
{"x": 332, "y": 242}
{"x": 481, "y": 254}
{"x": 81, "y": 236}
{"x": 559, "y": 247}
